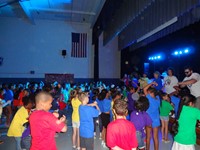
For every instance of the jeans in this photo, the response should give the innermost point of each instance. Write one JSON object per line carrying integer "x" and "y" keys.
{"x": 26, "y": 142}
{"x": 18, "y": 143}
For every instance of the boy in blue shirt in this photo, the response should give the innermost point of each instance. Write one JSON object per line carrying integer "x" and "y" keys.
{"x": 86, "y": 113}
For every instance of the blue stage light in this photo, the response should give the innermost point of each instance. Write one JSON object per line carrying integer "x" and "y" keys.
{"x": 149, "y": 58}
{"x": 186, "y": 51}
{"x": 175, "y": 53}
{"x": 159, "y": 57}
{"x": 155, "y": 57}
{"x": 180, "y": 52}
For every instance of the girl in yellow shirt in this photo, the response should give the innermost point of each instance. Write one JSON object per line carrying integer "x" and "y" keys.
{"x": 75, "y": 118}
{"x": 16, "y": 128}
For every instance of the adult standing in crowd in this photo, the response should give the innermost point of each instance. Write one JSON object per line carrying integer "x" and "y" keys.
{"x": 170, "y": 81}
{"x": 192, "y": 81}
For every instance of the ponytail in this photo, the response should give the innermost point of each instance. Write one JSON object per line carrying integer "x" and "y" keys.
{"x": 186, "y": 100}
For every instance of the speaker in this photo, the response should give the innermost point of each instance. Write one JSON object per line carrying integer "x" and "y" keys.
{"x": 32, "y": 72}
{"x": 64, "y": 52}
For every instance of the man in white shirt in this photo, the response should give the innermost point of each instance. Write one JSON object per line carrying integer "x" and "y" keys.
{"x": 192, "y": 81}
{"x": 170, "y": 81}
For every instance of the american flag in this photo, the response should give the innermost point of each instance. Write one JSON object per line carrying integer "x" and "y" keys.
{"x": 79, "y": 45}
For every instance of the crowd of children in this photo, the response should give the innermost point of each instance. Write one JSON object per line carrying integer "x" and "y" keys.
{"x": 127, "y": 116}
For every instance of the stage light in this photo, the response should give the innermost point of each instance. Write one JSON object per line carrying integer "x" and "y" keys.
{"x": 159, "y": 57}
{"x": 149, "y": 58}
{"x": 180, "y": 52}
{"x": 186, "y": 51}
{"x": 155, "y": 57}
{"x": 175, "y": 53}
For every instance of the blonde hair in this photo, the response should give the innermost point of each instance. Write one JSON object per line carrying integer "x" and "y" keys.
{"x": 82, "y": 96}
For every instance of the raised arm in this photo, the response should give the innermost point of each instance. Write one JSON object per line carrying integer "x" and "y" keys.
{"x": 147, "y": 86}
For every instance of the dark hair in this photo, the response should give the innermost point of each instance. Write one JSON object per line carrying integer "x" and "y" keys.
{"x": 172, "y": 69}
{"x": 120, "y": 107}
{"x": 186, "y": 100}
{"x": 115, "y": 94}
{"x": 142, "y": 104}
{"x": 129, "y": 88}
{"x": 103, "y": 94}
{"x": 153, "y": 90}
{"x": 28, "y": 99}
{"x": 188, "y": 67}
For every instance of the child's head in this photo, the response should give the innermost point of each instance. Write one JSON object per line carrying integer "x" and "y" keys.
{"x": 156, "y": 74}
{"x": 29, "y": 101}
{"x": 131, "y": 89}
{"x": 120, "y": 107}
{"x": 142, "y": 104}
{"x": 152, "y": 91}
{"x": 188, "y": 100}
{"x": 43, "y": 101}
{"x": 165, "y": 96}
{"x": 104, "y": 94}
{"x": 116, "y": 95}
{"x": 83, "y": 97}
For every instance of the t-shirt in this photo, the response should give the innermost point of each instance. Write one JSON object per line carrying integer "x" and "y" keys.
{"x": 175, "y": 100}
{"x": 153, "y": 110}
{"x": 165, "y": 108}
{"x": 16, "y": 127}
{"x": 143, "y": 82}
{"x": 43, "y": 128}
{"x": 100, "y": 104}
{"x": 194, "y": 88}
{"x": 8, "y": 95}
{"x": 75, "y": 105}
{"x": 121, "y": 133}
{"x": 140, "y": 121}
{"x": 106, "y": 105}
{"x": 87, "y": 113}
{"x": 159, "y": 82}
{"x": 187, "y": 125}
{"x": 170, "y": 82}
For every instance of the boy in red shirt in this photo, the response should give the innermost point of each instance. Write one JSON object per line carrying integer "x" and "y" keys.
{"x": 44, "y": 124}
{"x": 121, "y": 133}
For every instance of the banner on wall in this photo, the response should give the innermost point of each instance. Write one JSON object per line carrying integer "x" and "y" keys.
{"x": 60, "y": 78}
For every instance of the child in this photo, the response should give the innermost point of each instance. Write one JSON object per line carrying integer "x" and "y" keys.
{"x": 44, "y": 124}
{"x": 165, "y": 109}
{"x": 141, "y": 119}
{"x": 16, "y": 128}
{"x": 153, "y": 112}
{"x": 185, "y": 139}
{"x": 105, "y": 114}
{"x": 121, "y": 133}
{"x": 75, "y": 118}
{"x": 87, "y": 112}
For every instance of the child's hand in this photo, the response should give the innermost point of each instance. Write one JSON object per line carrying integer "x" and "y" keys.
{"x": 63, "y": 118}
{"x": 154, "y": 83}
{"x": 56, "y": 114}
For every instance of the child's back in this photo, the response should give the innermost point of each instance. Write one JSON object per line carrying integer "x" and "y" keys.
{"x": 187, "y": 123}
{"x": 87, "y": 113}
{"x": 75, "y": 105}
{"x": 165, "y": 108}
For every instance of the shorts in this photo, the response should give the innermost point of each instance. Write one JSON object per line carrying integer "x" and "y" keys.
{"x": 140, "y": 140}
{"x": 165, "y": 118}
{"x": 87, "y": 143}
{"x": 105, "y": 119}
{"x": 75, "y": 124}
{"x": 178, "y": 146}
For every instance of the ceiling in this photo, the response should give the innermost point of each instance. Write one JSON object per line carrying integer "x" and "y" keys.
{"x": 81, "y": 11}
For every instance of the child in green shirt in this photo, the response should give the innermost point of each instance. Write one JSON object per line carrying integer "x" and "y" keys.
{"x": 185, "y": 139}
{"x": 165, "y": 109}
